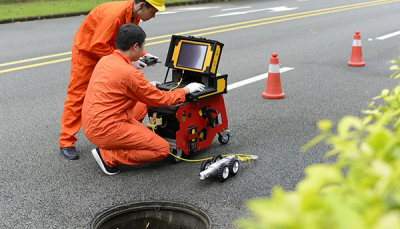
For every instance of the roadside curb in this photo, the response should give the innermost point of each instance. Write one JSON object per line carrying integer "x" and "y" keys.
{"x": 34, "y": 18}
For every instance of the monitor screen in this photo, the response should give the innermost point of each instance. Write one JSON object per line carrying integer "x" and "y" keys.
{"x": 192, "y": 55}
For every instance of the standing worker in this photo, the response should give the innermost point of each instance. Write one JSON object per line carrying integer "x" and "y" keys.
{"x": 116, "y": 103}
{"x": 94, "y": 39}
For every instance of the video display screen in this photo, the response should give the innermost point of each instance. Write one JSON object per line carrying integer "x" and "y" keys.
{"x": 192, "y": 56}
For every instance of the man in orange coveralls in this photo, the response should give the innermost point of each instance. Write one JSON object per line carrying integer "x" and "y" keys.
{"x": 94, "y": 39}
{"x": 116, "y": 103}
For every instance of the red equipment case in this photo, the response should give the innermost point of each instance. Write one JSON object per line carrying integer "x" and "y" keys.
{"x": 193, "y": 125}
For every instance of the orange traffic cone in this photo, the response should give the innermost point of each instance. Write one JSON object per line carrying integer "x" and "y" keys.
{"x": 356, "y": 53}
{"x": 273, "y": 90}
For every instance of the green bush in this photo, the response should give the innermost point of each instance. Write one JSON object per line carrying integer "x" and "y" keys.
{"x": 19, "y": 1}
{"x": 360, "y": 190}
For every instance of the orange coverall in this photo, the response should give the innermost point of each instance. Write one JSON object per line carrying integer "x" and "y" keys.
{"x": 94, "y": 39}
{"x": 115, "y": 105}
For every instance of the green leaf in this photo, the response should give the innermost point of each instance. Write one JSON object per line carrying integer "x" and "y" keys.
{"x": 384, "y": 93}
{"x": 396, "y": 74}
{"x": 384, "y": 172}
{"x": 396, "y": 90}
{"x": 348, "y": 122}
{"x": 324, "y": 125}
{"x": 331, "y": 153}
{"x": 367, "y": 120}
{"x": 317, "y": 176}
{"x": 389, "y": 220}
{"x": 274, "y": 211}
{"x": 392, "y": 101}
{"x": 379, "y": 138}
{"x": 344, "y": 216}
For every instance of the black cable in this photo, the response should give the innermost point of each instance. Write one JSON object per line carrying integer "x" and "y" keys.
{"x": 166, "y": 75}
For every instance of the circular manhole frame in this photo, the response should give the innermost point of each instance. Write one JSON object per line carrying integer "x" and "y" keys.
{"x": 114, "y": 212}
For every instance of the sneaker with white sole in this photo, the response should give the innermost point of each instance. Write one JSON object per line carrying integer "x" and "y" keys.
{"x": 106, "y": 169}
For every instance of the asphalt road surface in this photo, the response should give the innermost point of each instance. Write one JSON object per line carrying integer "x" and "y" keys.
{"x": 41, "y": 189}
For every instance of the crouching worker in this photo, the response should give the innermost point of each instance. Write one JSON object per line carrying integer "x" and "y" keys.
{"x": 116, "y": 103}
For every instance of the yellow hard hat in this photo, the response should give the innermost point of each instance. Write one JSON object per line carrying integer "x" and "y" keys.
{"x": 158, "y": 4}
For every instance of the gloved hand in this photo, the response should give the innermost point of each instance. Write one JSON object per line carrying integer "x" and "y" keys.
{"x": 195, "y": 87}
{"x": 138, "y": 64}
{"x": 155, "y": 83}
{"x": 151, "y": 60}
{"x": 148, "y": 55}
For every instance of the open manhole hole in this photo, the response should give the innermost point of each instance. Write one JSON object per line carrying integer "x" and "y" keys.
{"x": 152, "y": 215}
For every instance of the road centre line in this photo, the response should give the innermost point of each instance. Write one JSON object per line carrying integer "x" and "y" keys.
{"x": 292, "y": 18}
{"x": 254, "y": 79}
{"x": 34, "y": 65}
{"x": 34, "y": 59}
{"x": 270, "y": 18}
{"x": 263, "y": 21}
{"x": 388, "y": 36}
{"x": 247, "y": 22}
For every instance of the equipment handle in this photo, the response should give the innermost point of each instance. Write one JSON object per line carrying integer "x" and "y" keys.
{"x": 211, "y": 121}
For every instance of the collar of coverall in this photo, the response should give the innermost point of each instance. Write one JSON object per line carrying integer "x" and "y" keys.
{"x": 129, "y": 12}
{"x": 127, "y": 60}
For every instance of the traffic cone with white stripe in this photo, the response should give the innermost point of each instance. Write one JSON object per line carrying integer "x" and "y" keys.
{"x": 356, "y": 53}
{"x": 273, "y": 90}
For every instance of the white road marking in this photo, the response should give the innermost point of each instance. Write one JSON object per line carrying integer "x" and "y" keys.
{"x": 388, "y": 36}
{"x": 254, "y": 79}
{"x": 168, "y": 12}
{"x": 239, "y": 13}
{"x": 282, "y": 8}
{"x": 186, "y": 9}
{"x": 274, "y": 9}
{"x": 239, "y": 8}
{"x": 199, "y": 8}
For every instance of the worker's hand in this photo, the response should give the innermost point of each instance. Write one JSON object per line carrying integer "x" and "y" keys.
{"x": 138, "y": 64}
{"x": 155, "y": 83}
{"x": 195, "y": 87}
{"x": 151, "y": 59}
{"x": 149, "y": 56}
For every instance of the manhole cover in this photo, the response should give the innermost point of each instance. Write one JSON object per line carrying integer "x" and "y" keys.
{"x": 152, "y": 215}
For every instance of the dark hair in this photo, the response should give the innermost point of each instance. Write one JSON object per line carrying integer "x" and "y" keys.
{"x": 148, "y": 6}
{"x": 128, "y": 35}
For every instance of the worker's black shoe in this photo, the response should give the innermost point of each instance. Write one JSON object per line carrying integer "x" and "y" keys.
{"x": 70, "y": 152}
{"x": 106, "y": 169}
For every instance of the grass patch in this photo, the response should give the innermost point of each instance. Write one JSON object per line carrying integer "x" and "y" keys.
{"x": 16, "y": 9}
